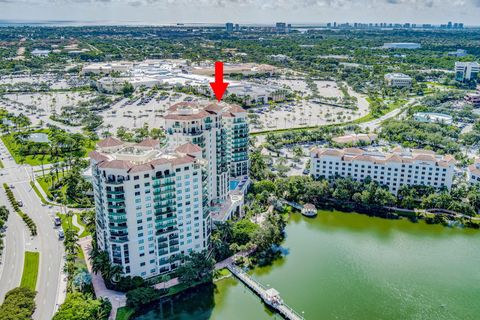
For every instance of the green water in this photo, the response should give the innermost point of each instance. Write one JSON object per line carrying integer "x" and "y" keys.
{"x": 351, "y": 266}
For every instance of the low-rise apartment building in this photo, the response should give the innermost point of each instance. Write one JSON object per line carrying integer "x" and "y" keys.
{"x": 394, "y": 169}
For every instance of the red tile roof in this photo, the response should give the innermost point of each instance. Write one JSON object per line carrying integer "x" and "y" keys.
{"x": 97, "y": 156}
{"x": 151, "y": 143}
{"x": 109, "y": 142}
{"x": 188, "y": 148}
{"x": 117, "y": 164}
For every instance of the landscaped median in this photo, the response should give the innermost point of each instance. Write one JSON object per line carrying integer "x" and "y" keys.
{"x": 30, "y": 270}
{"x": 19, "y": 302}
{"x": 28, "y": 221}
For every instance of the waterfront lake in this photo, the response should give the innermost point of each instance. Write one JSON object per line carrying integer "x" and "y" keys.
{"x": 352, "y": 266}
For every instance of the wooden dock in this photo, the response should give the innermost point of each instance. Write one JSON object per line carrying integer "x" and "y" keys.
{"x": 266, "y": 294}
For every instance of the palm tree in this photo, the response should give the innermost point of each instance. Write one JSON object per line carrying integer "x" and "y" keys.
{"x": 113, "y": 273}
{"x": 164, "y": 279}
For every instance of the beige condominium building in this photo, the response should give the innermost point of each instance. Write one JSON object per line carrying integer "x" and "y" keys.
{"x": 221, "y": 131}
{"x": 154, "y": 202}
{"x": 149, "y": 204}
{"x": 393, "y": 169}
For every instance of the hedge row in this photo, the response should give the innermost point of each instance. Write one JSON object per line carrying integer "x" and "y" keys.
{"x": 28, "y": 221}
{"x": 3, "y": 219}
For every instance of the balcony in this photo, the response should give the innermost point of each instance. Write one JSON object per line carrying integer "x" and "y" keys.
{"x": 115, "y": 192}
{"x": 162, "y": 252}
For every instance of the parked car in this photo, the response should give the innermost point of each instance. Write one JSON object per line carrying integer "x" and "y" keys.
{"x": 61, "y": 235}
{"x": 20, "y": 203}
{"x": 57, "y": 221}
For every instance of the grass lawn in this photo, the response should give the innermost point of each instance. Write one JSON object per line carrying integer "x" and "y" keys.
{"x": 36, "y": 160}
{"x": 124, "y": 313}
{"x": 30, "y": 270}
{"x": 46, "y": 183}
{"x": 67, "y": 223}
{"x": 222, "y": 273}
{"x": 34, "y": 187}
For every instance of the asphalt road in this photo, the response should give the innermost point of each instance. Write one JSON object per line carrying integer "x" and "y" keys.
{"x": 12, "y": 261}
{"x": 46, "y": 242}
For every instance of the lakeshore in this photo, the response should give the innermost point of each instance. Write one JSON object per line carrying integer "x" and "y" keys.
{"x": 335, "y": 265}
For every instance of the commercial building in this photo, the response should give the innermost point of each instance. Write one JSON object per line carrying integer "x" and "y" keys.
{"x": 246, "y": 69}
{"x": 473, "y": 98}
{"x": 40, "y": 53}
{"x": 229, "y": 27}
{"x": 176, "y": 73}
{"x": 257, "y": 94}
{"x": 106, "y": 68}
{"x": 395, "y": 169}
{"x": 459, "y": 53}
{"x": 398, "y": 80}
{"x": 466, "y": 71}
{"x": 433, "y": 117}
{"x": 150, "y": 204}
{"x": 281, "y": 27}
{"x": 115, "y": 85}
{"x": 401, "y": 45}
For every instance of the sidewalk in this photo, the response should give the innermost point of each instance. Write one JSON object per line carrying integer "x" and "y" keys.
{"x": 118, "y": 299}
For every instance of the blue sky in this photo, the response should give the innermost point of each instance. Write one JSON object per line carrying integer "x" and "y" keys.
{"x": 243, "y": 11}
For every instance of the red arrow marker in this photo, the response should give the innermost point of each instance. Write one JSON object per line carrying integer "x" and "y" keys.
{"x": 219, "y": 86}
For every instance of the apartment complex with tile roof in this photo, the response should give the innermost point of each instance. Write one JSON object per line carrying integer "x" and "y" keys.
{"x": 393, "y": 169}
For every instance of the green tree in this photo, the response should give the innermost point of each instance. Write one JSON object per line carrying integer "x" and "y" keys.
{"x": 19, "y": 304}
{"x": 197, "y": 267}
{"x": 78, "y": 306}
{"x": 139, "y": 297}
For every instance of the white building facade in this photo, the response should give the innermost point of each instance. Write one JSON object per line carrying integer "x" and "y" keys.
{"x": 149, "y": 204}
{"x": 221, "y": 131}
{"x": 395, "y": 169}
{"x": 473, "y": 173}
{"x": 466, "y": 71}
{"x": 398, "y": 80}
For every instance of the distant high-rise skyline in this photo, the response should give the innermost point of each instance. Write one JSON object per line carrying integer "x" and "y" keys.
{"x": 244, "y": 12}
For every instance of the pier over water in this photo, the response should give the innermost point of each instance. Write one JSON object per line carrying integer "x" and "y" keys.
{"x": 269, "y": 296}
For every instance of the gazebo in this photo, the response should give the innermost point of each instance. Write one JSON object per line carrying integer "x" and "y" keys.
{"x": 309, "y": 210}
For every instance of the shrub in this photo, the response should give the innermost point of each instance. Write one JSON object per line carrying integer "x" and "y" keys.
{"x": 19, "y": 304}
{"x": 142, "y": 296}
{"x": 28, "y": 221}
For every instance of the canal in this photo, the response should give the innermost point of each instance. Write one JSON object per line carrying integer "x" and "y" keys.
{"x": 351, "y": 266}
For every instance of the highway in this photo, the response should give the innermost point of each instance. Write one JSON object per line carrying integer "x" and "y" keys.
{"x": 49, "y": 286}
